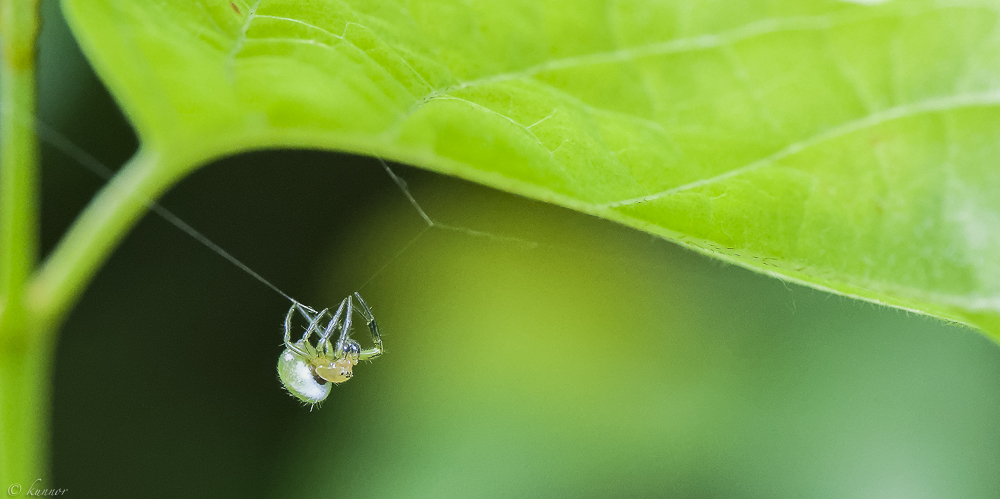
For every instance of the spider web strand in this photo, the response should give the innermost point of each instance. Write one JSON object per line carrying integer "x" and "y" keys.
{"x": 432, "y": 224}
{"x": 395, "y": 257}
{"x": 406, "y": 192}
{"x": 64, "y": 145}
{"x": 95, "y": 166}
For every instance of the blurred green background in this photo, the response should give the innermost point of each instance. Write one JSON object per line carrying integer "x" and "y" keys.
{"x": 601, "y": 363}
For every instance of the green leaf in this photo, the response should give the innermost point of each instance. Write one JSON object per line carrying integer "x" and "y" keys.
{"x": 849, "y": 146}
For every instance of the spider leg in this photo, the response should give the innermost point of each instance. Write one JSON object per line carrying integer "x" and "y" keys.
{"x": 366, "y": 312}
{"x": 305, "y": 310}
{"x": 313, "y": 323}
{"x": 288, "y": 330}
{"x": 288, "y": 325}
{"x": 345, "y": 328}
{"x": 370, "y": 353}
{"x": 324, "y": 339}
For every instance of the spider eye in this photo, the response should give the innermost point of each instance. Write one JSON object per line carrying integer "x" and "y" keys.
{"x": 352, "y": 349}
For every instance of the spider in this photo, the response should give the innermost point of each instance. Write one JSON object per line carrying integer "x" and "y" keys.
{"x": 307, "y": 371}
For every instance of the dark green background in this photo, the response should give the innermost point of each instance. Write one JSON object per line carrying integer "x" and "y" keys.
{"x": 603, "y": 363}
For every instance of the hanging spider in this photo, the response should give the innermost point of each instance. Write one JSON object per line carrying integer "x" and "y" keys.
{"x": 308, "y": 370}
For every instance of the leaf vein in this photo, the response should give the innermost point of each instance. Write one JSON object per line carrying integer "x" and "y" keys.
{"x": 903, "y": 111}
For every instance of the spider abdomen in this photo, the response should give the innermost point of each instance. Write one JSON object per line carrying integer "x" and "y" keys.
{"x": 300, "y": 378}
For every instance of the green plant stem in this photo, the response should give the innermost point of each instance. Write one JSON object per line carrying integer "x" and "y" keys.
{"x": 25, "y": 360}
{"x": 24, "y": 347}
{"x": 94, "y": 235}
{"x": 25, "y": 389}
